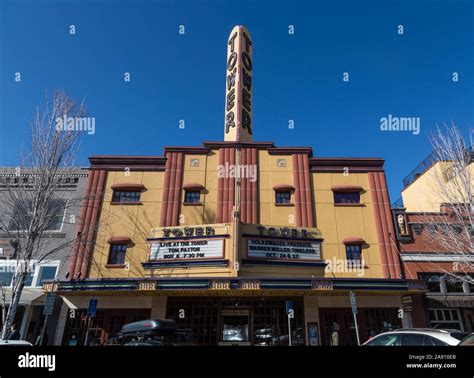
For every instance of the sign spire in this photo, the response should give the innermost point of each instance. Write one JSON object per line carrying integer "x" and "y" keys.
{"x": 238, "y": 103}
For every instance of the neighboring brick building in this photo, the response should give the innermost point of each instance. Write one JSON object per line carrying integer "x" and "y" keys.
{"x": 419, "y": 229}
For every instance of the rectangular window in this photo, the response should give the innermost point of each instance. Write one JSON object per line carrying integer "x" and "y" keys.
{"x": 21, "y": 217}
{"x": 57, "y": 209}
{"x": 353, "y": 254}
{"x": 192, "y": 196}
{"x": 283, "y": 197}
{"x": 445, "y": 318}
{"x": 46, "y": 273}
{"x": 129, "y": 196}
{"x": 353, "y": 197}
{"x": 117, "y": 254}
{"x": 5, "y": 276}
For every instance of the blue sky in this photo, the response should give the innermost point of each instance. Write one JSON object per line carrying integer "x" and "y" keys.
{"x": 297, "y": 77}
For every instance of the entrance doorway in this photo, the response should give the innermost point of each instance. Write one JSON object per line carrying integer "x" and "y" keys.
{"x": 244, "y": 321}
{"x": 235, "y": 327}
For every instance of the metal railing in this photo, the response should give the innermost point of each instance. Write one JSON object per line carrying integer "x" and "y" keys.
{"x": 420, "y": 169}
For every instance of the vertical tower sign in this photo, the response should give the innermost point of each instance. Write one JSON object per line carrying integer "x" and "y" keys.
{"x": 238, "y": 99}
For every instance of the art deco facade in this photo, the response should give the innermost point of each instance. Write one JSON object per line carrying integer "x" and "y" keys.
{"x": 226, "y": 236}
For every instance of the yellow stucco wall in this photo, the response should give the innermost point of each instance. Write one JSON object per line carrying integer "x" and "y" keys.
{"x": 138, "y": 221}
{"x": 432, "y": 188}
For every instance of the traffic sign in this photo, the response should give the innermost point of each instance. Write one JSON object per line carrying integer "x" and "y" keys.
{"x": 92, "y": 309}
{"x": 353, "y": 302}
{"x": 288, "y": 306}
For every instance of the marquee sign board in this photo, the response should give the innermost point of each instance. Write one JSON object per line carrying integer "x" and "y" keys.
{"x": 238, "y": 103}
{"x": 194, "y": 249}
{"x": 282, "y": 249}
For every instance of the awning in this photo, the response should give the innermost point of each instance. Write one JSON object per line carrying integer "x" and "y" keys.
{"x": 29, "y": 296}
{"x": 451, "y": 300}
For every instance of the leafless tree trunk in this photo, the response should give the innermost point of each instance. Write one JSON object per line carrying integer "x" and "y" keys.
{"x": 452, "y": 186}
{"x": 32, "y": 204}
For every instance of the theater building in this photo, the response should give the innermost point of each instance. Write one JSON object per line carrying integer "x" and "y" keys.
{"x": 227, "y": 236}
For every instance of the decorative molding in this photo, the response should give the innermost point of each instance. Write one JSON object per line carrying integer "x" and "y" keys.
{"x": 128, "y": 187}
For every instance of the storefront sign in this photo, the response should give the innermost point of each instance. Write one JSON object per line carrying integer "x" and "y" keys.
{"x": 219, "y": 285}
{"x": 250, "y": 285}
{"x": 187, "y": 249}
{"x": 322, "y": 285}
{"x": 50, "y": 286}
{"x": 238, "y": 104}
{"x": 188, "y": 231}
{"x": 287, "y": 232}
{"x": 146, "y": 285}
{"x": 279, "y": 249}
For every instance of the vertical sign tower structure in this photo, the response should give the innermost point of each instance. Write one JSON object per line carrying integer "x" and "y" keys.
{"x": 238, "y": 101}
{"x": 238, "y": 112}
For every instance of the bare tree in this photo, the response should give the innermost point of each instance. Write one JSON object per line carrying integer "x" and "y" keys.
{"x": 31, "y": 196}
{"x": 452, "y": 189}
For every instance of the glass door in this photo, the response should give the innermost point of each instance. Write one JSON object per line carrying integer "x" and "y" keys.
{"x": 235, "y": 325}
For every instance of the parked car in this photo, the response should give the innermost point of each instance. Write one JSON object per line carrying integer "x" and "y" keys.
{"x": 467, "y": 341}
{"x": 417, "y": 337}
{"x": 15, "y": 343}
{"x": 157, "y": 332}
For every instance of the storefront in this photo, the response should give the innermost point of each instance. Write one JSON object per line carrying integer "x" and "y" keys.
{"x": 220, "y": 312}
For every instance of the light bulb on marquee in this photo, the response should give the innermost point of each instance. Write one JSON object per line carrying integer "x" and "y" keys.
{"x": 238, "y": 104}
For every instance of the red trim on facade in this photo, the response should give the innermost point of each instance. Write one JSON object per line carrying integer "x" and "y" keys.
{"x": 343, "y": 164}
{"x": 308, "y": 151}
{"x": 86, "y": 222}
{"x": 177, "y": 189}
{"x": 86, "y": 231}
{"x": 231, "y": 144}
{"x": 119, "y": 240}
{"x": 308, "y": 192}
{"x": 248, "y": 203}
{"x": 231, "y": 185}
{"x": 302, "y": 189}
{"x": 389, "y": 221}
{"x": 171, "y": 198}
{"x": 353, "y": 241}
{"x": 226, "y": 189}
{"x": 165, "y": 195}
{"x": 220, "y": 190}
{"x": 134, "y": 163}
{"x": 255, "y": 202}
{"x": 80, "y": 226}
{"x": 283, "y": 188}
{"x": 193, "y": 187}
{"x": 169, "y": 189}
{"x": 126, "y": 187}
{"x": 303, "y": 192}
{"x": 243, "y": 188}
{"x": 378, "y": 225}
{"x": 346, "y": 188}
{"x": 297, "y": 191}
{"x": 93, "y": 223}
{"x": 187, "y": 150}
{"x": 385, "y": 229}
